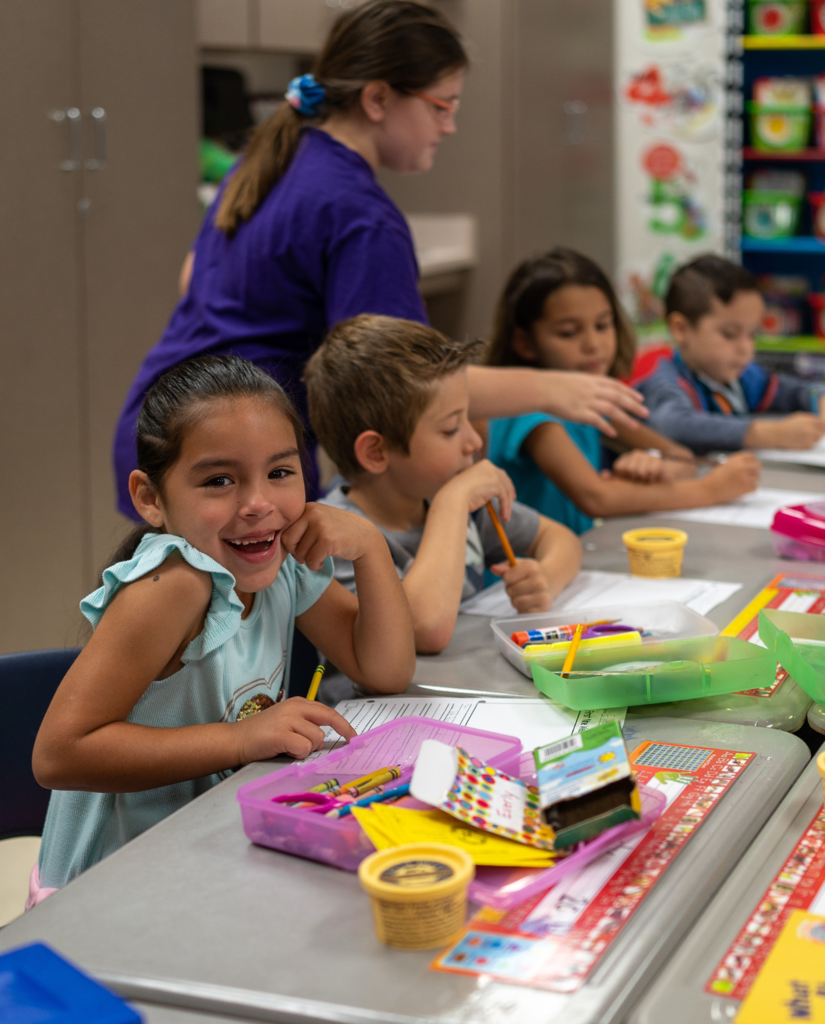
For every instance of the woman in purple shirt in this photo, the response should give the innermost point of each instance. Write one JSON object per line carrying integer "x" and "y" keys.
{"x": 302, "y": 236}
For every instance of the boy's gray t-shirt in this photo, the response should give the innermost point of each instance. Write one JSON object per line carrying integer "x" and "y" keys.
{"x": 483, "y": 546}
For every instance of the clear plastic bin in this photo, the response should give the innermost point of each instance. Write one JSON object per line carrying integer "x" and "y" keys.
{"x": 655, "y": 673}
{"x": 797, "y": 640}
{"x": 341, "y": 841}
{"x": 668, "y": 619}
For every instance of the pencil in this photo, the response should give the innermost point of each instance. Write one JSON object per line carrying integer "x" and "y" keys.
{"x": 312, "y": 693}
{"x": 502, "y": 536}
{"x": 571, "y": 654}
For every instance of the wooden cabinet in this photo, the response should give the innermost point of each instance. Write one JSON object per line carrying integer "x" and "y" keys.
{"x": 285, "y": 26}
{"x": 98, "y": 112}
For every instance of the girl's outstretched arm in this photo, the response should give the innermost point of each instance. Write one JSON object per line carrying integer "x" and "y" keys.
{"x": 85, "y": 742}
{"x": 560, "y": 459}
{"x": 368, "y": 637}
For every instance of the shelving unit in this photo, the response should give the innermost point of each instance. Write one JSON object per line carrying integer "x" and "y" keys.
{"x": 753, "y": 57}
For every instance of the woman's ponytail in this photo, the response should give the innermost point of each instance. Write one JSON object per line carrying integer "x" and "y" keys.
{"x": 402, "y": 42}
{"x": 267, "y": 157}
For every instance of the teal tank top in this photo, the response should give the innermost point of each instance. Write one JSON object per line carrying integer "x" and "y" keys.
{"x": 505, "y": 443}
{"x": 233, "y": 666}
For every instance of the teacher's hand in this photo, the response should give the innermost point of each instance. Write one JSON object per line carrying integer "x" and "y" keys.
{"x": 498, "y": 392}
{"x": 586, "y": 398}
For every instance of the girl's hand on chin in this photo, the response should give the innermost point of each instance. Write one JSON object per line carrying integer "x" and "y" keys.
{"x": 322, "y": 531}
{"x": 292, "y": 727}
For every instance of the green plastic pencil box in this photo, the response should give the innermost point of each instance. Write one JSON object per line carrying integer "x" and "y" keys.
{"x": 655, "y": 673}
{"x": 797, "y": 640}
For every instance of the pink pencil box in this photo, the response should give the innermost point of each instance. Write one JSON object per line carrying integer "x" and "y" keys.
{"x": 341, "y": 841}
{"x": 798, "y": 532}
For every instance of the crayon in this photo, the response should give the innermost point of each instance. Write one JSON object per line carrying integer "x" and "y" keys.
{"x": 366, "y": 778}
{"x": 378, "y": 780}
{"x": 390, "y": 794}
{"x": 324, "y": 787}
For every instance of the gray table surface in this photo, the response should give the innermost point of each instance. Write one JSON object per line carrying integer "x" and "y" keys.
{"x": 733, "y": 554}
{"x": 191, "y": 914}
{"x": 677, "y": 996}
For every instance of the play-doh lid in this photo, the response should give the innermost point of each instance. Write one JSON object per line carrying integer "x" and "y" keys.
{"x": 654, "y": 538}
{"x": 802, "y": 522}
{"x": 416, "y": 871}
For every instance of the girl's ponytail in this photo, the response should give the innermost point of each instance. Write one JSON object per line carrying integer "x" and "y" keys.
{"x": 404, "y": 43}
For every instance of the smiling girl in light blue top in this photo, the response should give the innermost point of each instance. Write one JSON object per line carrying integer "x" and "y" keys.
{"x": 180, "y": 682}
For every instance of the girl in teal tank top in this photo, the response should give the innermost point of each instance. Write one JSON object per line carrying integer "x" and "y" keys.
{"x": 559, "y": 311}
{"x": 181, "y": 680}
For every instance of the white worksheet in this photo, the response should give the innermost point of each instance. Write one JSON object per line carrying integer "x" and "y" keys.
{"x": 533, "y": 720}
{"x": 810, "y": 457}
{"x": 592, "y": 588}
{"x": 757, "y": 509}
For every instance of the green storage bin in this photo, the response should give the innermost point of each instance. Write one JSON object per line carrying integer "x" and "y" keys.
{"x": 777, "y": 18}
{"x": 769, "y": 215}
{"x": 656, "y": 673}
{"x": 779, "y": 129}
{"x": 797, "y": 640}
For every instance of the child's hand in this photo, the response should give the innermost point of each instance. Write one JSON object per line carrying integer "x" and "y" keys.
{"x": 291, "y": 727}
{"x": 799, "y": 430}
{"x": 640, "y": 466}
{"x": 478, "y": 484}
{"x": 323, "y": 530}
{"x": 737, "y": 476}
{"x": 526, "y": 584}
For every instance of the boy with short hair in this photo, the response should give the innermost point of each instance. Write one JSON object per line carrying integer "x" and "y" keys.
{"x": 712, "y": 395}
{"x": 388, "y": 399}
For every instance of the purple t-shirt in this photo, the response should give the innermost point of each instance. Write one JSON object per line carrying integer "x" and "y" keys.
{"x": 326, "y": 244}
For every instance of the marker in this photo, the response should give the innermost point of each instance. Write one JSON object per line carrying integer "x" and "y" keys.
{"x": 502, "y": 536}
{"x": 616, "y": 640}
{"x": 571, "y": 654}
{"x": 312, "y": 693}
{"x": 390, "y": 794}
{"x": 374, "y": 783}
{"x": 553, "y": 634}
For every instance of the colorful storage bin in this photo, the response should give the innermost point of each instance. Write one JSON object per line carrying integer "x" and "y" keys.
{"x": 777, "y": 17}
{"x": 769, "y": 215}
{"x": 779, "y": 129}
{"x": 818, "y": 17}
{"x": 816, "y": 300}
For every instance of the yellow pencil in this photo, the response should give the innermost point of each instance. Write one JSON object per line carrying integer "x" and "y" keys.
{"x": 502, "y": 536}
{"x": 571, "y": 654}
{"x": 312, "y": 693}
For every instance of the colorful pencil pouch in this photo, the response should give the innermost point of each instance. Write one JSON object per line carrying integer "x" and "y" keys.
{"x": 463, "y": 786}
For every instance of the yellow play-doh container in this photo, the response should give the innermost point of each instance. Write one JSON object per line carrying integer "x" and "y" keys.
{"x": 820, "y": 764}
{"x": 655, "y": 551}
{"x": 418, "y": 893}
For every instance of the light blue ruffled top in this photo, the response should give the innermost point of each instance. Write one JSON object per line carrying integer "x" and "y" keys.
{"x": 232, "y": 661}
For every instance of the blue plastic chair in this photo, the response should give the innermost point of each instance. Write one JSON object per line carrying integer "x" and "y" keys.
{"x": 27, "y": 684}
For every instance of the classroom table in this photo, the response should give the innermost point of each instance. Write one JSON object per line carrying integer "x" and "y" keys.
{"x": 678, "y": 995}
{"x": 733, "y": 554}
{"x": 192, "y": 914}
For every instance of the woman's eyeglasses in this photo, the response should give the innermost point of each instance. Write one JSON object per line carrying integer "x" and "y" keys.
{"x": 442, "y": 107}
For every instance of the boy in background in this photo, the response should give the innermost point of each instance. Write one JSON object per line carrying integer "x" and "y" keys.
{"x": 712, "y": 396}
{"x": 389, "y": 399}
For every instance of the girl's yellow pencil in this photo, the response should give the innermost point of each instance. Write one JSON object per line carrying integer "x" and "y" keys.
{"x": 312, "y": 693}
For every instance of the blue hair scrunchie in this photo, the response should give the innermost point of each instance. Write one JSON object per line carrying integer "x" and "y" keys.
{"x": 305, "y": 94}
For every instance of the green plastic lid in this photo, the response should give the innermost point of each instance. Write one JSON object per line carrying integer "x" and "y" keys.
{"x": 654, "y": 673}
{"x": 797, "y": 640}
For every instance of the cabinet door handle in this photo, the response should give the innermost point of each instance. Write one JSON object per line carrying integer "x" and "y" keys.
{"x": 72, "y": 115}
{"x": 99, "y": 121}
